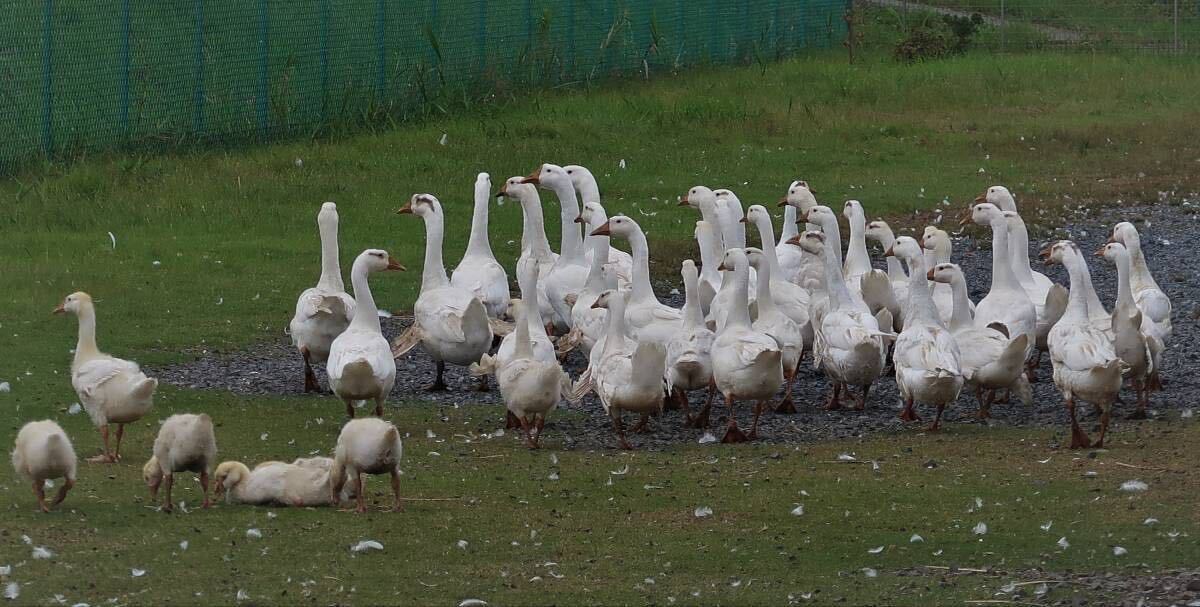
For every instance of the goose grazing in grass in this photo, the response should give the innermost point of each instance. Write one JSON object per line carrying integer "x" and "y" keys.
{"x": 990, "y": 361}
{"x": 1006, "y": 302}
{"x": 1150, "y": 299}
{"x": 1086, "y": 366}
{"x": 1137, "y": 346}
{"x": 43, "y": 451}
{"x": 479, "y": 272}
{"x": 185, "y": 443}
{"x": 366, "y": 446}
{"x": 747, "y": 363}
{"x": 772, "y": 321}
{"x": 530, "y": 384}
{"x": 534, "y": 245}
{"x": 689, "y": 353}
{"x": 646, "y": 318}
{"x": 569, "y": 274}
{"x": 111, "y": 390}
{"x": 626, "y": 377}
{"x": 360, "y": 363}
{"x": 449, "y": 322}
{"x": 323, "y": 311}
{"x": 926, "y": 356}
{"x": 589, "y": 193}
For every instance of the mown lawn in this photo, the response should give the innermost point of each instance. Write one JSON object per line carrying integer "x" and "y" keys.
{"x": 233, "y": 235}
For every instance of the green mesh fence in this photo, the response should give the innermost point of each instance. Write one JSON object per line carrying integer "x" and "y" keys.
{"x": 96, "y": 74}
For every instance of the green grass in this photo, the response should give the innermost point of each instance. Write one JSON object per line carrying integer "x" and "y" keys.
{"x": 234, "y": 233}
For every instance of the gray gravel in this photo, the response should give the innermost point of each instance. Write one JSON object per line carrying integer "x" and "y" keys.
{"x": 1138, "y": 586}
{"x": 1169, "y": 237}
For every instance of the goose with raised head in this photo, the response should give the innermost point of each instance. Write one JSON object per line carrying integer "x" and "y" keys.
{"x": 812, "y": 270}
{"x": 587, "y": 323}
{"x": 1086, "y": 366}
{"x": 534, "y": 245}
{"x": 479, "y": 272}
{"x": 360, "y": 362}
{"x": 879, "y": 231}
{"x": 789, "y": 298}
{"x": 926, "y": 357}
{"x": 710, "y": 258}
{"x": 1150, "y": 299}
{"x": 530, "y": 384}
{"x": 990, "y": 360}
{"x": 589, "y": 192}
{"x": 323, "y": 311}
{"x": 1034, "y": 282}
{"x": 848, "y": 343}
{"x": 540, "y": 346}
{"x": 111, "y": 390}
{"x": 938, "y": 249}
{"x": 858, "y": 262}
{"x": 1006, "y": 302}
{"x": 450, "y": 323}
{"x": 732, "y": 215}
{"x": 689, "y": 353}
{"x": 747, "y": 363}
{"x": 646, "y": 318}
{"x": 567, "y": 277}
{"x": 825, "y": 219}
{"x": 772, "y": 321}
{"x": 791, "y": 259}
{"x": 1137, "y": 346}
{"x": 626, "y": 377}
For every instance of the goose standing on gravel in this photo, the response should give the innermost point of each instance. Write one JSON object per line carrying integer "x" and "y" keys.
{"x": 111, "y": 390}
{"x": 926, "y": 356}
{"x": 569, "y": 274}
{"x": 747, "y": 363}
{"x": 689, "y": 353}
{"x": 323, "y": 311}
{"x": 626, "y": 377}
{"x": 43, "y": 451}
{"x": 990, "y": 361}
{"x": 790, "y": 299}
{"x": 812, "y": 270}
{"x": 589, "y": 192}
{"x": 1086, "y": 366}
{"x": 881, "y": 232}
{"x": 791, "y": 259}
{"x": 646, "y": 318}
{"x": 938, "y": 250}
{"x": 587, "y": 323}
{"x": 1139, "y": 349}
{"x": 710, "y": 257}
{"x": 530, "y": 384}
{"x": 774, "y": 322}
{"x": 450, "y": 323}
{"x": 540, "y": 346}
{"x": 360, "y": 363}
{"x": 1150, "y": 299}
{"x": 534, "y": 244}
{"x": 479, "y": 272}
{"x": 1006, "y": 302}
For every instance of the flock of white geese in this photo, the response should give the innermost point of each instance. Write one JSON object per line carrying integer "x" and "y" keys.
{"x": 750, "y": 315}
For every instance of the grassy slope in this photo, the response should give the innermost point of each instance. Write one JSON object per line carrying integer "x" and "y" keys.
{"x": 237, "y": 228}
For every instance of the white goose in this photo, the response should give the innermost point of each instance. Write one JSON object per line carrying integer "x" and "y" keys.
{"x": 710, "y": 258}
{"x": 791, "y": 259}
{"x": 732, "y": 215}
{"x": 569, "y": 273}
{"x": 589, "y": 192}
{"x": 587, "y": 323}
{"x": 858, "y": 261}
{"x": 530, "y": 384}
{"x": 1150, "y": 299}
{"x": 747, "y": 363}
{"x": 938, "y": 250}
{"x": 450, "y": 323}
{"x": 366, "y": 446}
{"x": 990, "y": 361}
{"x": 789, "y": 298}
{"x": 689, "y": 353}
{"x": 848, "y": 344}
{"x": 646, "y": 318}
{"x": 926, "y": 356}
{"x": 1140, "y": 349}
{"x": 812, "y": 269}
{"x": 111, "y": 390}
{"x": 881, "y": 232}
{"x": 1034, "y": 282}
{"x": 626, "y": 378}
{"x": 1086, "y": 367}
{"x": 323, "y": 311}
{"x": 534, "y": 244}
{"x": 772, "y": 321}
{"x": 43, "y": 451}
{"x": 479, "y": 272}
{"x": 540, "y": 346}
{"x": 1006, "y": 302}
{"x": 360, "y": 362}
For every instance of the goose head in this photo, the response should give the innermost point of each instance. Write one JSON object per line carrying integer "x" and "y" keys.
{"x": 74, "y": 303}
{"x": 377, "y": 260}
{"x": 483, "y": 185}
{"x": 1126, "y": 234}
{"x": 852, "y": 209}
{"x": 944, "y": 273}
{"x": 982, "y": 213}
{"x": 880, "y": 231}
{"x": 688, "y": 271}
{"x": 757, "y": 259}
{"x": 617, "y": 225}
{"x": 229, "y": 475}
{"x": 934, "y": 239}
{"x": 592, "y": 214}
{"x": 811, "y": 241}
{"x": 999, "y": 196}
{"x": 421, "y": 205}
{"x": 515, "y": 187}
{"x": 580, "y": 177}
{"x": 756, "y": 214}
{"x": 821, "y": 215}
{"x": 1058, "y": 252}
{"x": 799, "y": 195}
{"x": 606, "y": 299}
{"x": 734, "y": 260}
{"x": 1112, "y": 251}
{"x": 328, "y": 213}
{"x": 905, "y": 248}
{"x": 152, "y": 474}
{"x": 548, "y": 176}
{"x": 697, "y": 196}
{"x": 727, "y": 198}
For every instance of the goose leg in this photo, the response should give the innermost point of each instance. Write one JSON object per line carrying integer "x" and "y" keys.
{"x": 758, "y": 409}
{"x": 862, "y": 399}
{"x": 399, "y": 505}
{"x": 1031, "y": 367}
{"x": 105, "y": 457}
{"x": 732, "y": 433}
{"x": 528, "y": 429}
{"x": 835, "y": 398}
{"x": 168, "y": 503}
{"x": 681, "y": 402}
{"x": 985, "y": 404}
{"x": 310, "y": 378}
{"x": 39, "y": 491}
{"x": 1079, "y": 439}
{"x": 537, "y": 437}
{"x": 204, "y": 486}
{"x": 619, "y": 428}
{"x": 937, "y": 421}
{"x": 379, "y": 405}
{"x": 701, "y": 420}
{"x": 62, "y": 492}
{"x": 362, "y": 501}
{"x": 438, "y": 385}
{"x": 483, "y": 384}
{"x": 511, "y": 421}
{"x": 349, "y": 408}
{"x": 117, "y": 450}
{"x": 642, "y": 424}
{"x": 908, "y": 414}
{"x": 1143, "y": 395}
{"x": 787, "y": 406}
{"x": 1104, "y": 419}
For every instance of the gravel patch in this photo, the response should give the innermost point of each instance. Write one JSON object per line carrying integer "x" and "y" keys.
{"x": 1137, "y": 586}
{"x": 1170, "y": 239}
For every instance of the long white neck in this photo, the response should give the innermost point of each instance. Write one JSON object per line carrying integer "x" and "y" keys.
{"x": 533, "y": 232}
{"x": 1002, "y": 272}
{"x": 766, "y": 303}
{"x": 85, "y": 347}
{"x": 835, "y": 283}
{"x": 894, "y": 268}
{"x": 642, "y": 291}
{"x": 858, "y": 261}
{"x": 920, "y": 304}
{"x": 735, "y": 230}
{"x": 1020, "y": 250}
{"x": 1124, "y": 291}
{"x": 331, "y": 272}
{"x": 479, "y": 244}
{"x": 960, "y": 317}
{"x": 596, "y": 218}
{"x": 595, "y": 277}
{"x": 710, "y": 254}
{"x": 708, "y": 212}
{"x": 1137, "y": 263}
{"x": 788, "y": 229}
{"x": 767, "y": 235}
{"x": 523, "y": 348}
{"x": 570, "y": 242}
{"x": 589, "y": 190}
{"x": 693, "y": 316}
{"x": 1077, "y": 300}
{"x": 739, "y": 310}
{"x": 614, "y": 339}
{"x": 527, "y": 282}
{"x": 434, "y": 273}
{"x": 366, "y": 315}
{"x": 833, "y": 239}
{"x": 1095, "y": 306}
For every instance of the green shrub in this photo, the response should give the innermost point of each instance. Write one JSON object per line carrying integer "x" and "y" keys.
{"x": 936, "y": 38}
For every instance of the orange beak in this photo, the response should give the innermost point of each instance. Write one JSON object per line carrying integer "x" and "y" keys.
{"x": 981, "y": 198}
{"x": 1099, "y": 252}
{"x": 929, "y": 274}
{"x": 1113, "y": 238}
{"x": 394, "y": 265}
{"x": 533, "y": 177}
{"x": 59, "y": 309}
{"x": 743, "y": 220}
{"x": 723, "y": 267}
{"x": 795, "y": 240}
{"x": 921, "y": 242}
{"x": 805, "y": 216}
{"x": 603, "y": 230}
{"x": 783, "y": 201}
{"x": 890, "y": 252}
{"x": 683, "y": 201}
{"x": 965, "y": 219}
{"x": 406, "y": 209}
{"x": 579, "y": 219}
{"x": 503, "y": 190}
{"x": 1045, "y": 255}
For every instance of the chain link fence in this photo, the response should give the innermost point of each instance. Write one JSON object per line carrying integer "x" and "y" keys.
{"x": 103, "y": 74}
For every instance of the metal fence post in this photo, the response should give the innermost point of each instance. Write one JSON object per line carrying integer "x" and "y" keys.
{"x": 198, "y": 59}
{"x": 481, "y": 37}
{"x": 264, "y": 64}
{"x": 324, "y": 60}
{"x": 570, "y": 63}
{"x": 48, "y": 78}
{"x": 380, "y": 48}
{"x": 124, "y": 119}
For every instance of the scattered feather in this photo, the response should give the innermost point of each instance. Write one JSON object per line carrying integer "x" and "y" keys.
{"x": 74, "y": 409}
{"x": 875, "y": 550}
{"x": 846, "y": 457}
{"x": 1150, "y": 521}
{"x": 980, "y": 529}
{"x": 242, "y": 595}
{"x": 1119, "y": 551}
{"x": 1134, "y": 486}
{"x": 135, "y": 572}
{"x": 113, "y": 238}
{"x": 622, "y": 163}
{"x": 42, "y": 553}
{"x": 5, "y": 387}
{"x": 798, "y": 510}
{"x": 462, "y": 544}
{"x": 915, "y": 539}
{"x": 1063, "y": 543}
{"x": 366, "y": 545}
{"x": 12, "y": 591}
{"x": 429, "y": 433}
{"x": 553, "y": 459}
{"x": 703, "y": 511}
{"x": 553, "y": 476}
{"x": 442, "y": 141}
{"x": 264, "y": 436}
{"x": 254, "y": 533}
{"x": 622, "y": 472}
{"x": 183, "y": 545}
{"x": 1047, "y": 525}
{"x": 867, "y": 571}
{"x": 472, "y": 603}
{"x": 707, "y": 438}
